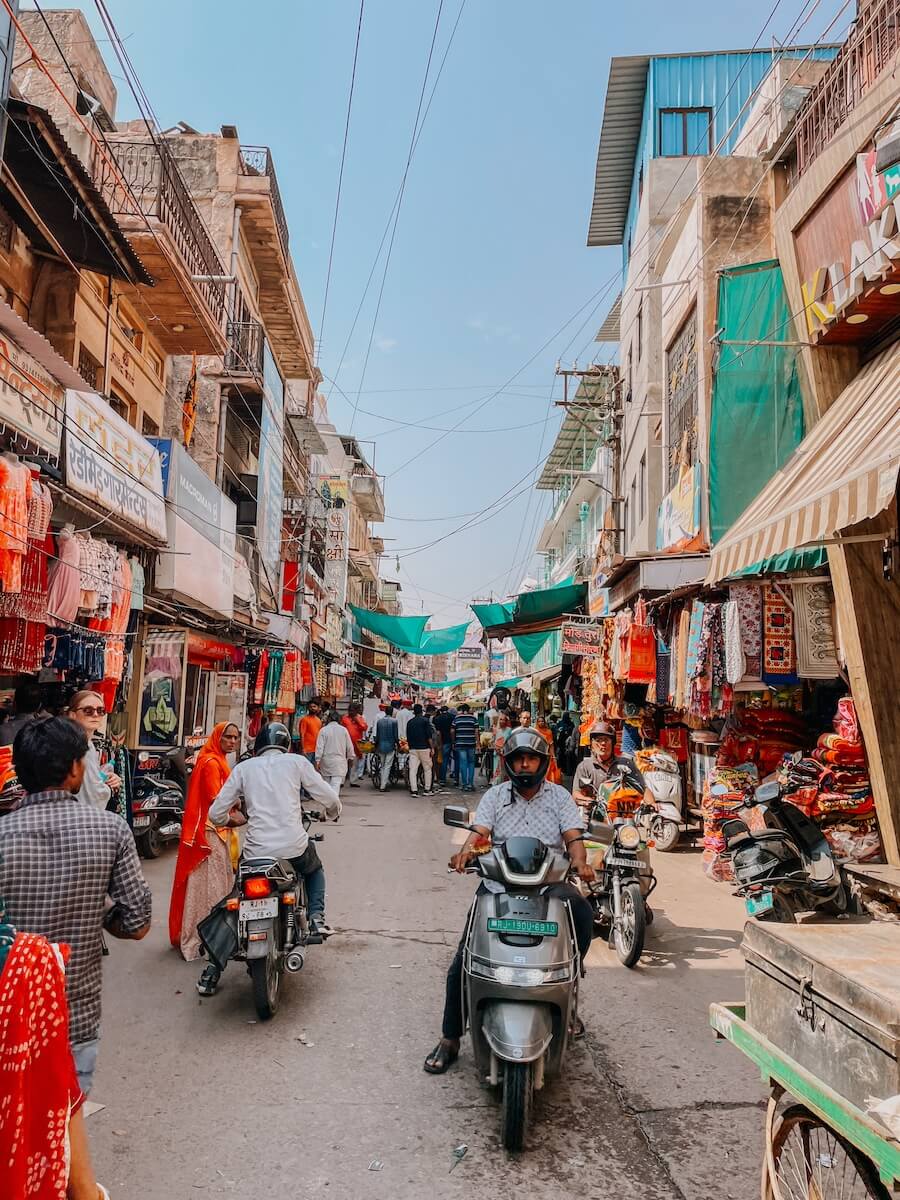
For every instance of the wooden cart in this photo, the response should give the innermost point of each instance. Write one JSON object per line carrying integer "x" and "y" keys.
{"x": 818, "y": 1146}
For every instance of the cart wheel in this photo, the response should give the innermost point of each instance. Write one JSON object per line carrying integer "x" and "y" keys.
{"x": 808, "y": 1159}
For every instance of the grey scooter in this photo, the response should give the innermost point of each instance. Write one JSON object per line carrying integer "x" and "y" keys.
{"x": 520, "y": 972}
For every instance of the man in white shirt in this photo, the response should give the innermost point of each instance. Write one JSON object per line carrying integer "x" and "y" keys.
{"x": 270, "y": 789}
{"x": 403, "y": 717}
{"x": 335, "y": 752}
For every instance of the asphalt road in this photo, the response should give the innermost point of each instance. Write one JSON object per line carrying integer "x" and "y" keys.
{"x": 329, "y": 1099}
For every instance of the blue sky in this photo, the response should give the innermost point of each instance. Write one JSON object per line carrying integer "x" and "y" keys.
{"x": 489, "y": 259}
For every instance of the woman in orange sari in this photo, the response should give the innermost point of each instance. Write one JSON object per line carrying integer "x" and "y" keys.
{"x": 554, "y": 775}
{"x": 207, "y": 856}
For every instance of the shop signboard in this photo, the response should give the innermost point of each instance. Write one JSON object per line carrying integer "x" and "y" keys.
{"x": 598, "y": 595}
{"x": 270, "y": 485}
{"x": 381, "y": 662}
{"x": 582, "y": 639}
{"x": 199, "y": 563}
{"x": 469, "y": 653}
{"x": 335, "y": 493}
{"x": 678, "y": 520}
{"x": 31, "y": 401}
{"x": 334, "y": 643}
{"x": 112, "y": 465}
{"x": 497, "y": 663}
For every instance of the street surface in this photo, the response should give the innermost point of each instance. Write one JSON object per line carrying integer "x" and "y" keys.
{"x": 330, "y": 1099}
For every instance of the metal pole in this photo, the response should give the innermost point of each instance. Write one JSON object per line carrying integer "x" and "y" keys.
{"x": 300, "y": 597}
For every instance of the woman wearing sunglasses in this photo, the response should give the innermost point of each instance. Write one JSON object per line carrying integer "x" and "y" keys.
{"x": 87, "y": 709}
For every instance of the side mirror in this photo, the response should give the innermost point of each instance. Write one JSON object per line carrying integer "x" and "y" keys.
{"x": 456, "y": 815}
{"x": 766, "y": 793}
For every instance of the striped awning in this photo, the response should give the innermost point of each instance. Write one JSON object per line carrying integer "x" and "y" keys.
{"x": 844, "y": 471}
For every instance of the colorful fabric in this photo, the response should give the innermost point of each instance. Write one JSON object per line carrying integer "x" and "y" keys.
{"x": 38, "y": 1084}
{"x": 779, "y": 657}
{"x": 207, "y": 779}
{"x": 735, "y": 658}
{"x": 747, "y": 597}
{"x": 814, "y": 630}
{"x": 693, "y": 641}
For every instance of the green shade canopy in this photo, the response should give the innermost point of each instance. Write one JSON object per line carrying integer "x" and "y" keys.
{"x": 510, "y": 683}
{"x": 403, "y": 632}
{"x": 529, "y": 645}
{"x": 788, "y": 560}
{"x": 427, "y": 683}
{"x": 544, "y": 606}
{"x": 493, "y": 614}
{"x": 443, "y": 641}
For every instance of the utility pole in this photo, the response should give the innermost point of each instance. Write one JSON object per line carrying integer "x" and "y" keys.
{"x": 300, "y": 596}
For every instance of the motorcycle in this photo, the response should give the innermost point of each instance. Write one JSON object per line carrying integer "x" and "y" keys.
{"x": 520, "y": 973}
{"x": 662, "y": 776}
{"x": 625, "y": 881}
{"x": 273, "y": 927}
{"x": 158, "y": 789}
{"x": 786, "y": 868}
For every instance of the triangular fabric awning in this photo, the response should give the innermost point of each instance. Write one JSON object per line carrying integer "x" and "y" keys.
{"x": 533, "y": 612}
{"x": 529, "y": 645}
{"x": 404, "y": 632}
{"x": 511, "y": 684}
{"x": 428, "y": 683}
{"x": 443, "y": 641}
{"x": 843, "y": 472}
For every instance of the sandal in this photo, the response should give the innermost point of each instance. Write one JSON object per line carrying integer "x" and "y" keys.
{"x": 441, "y": 1057}
{"x": 577, "y": 1029}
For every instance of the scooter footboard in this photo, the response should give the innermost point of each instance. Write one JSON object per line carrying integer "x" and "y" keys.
{"x": 517, "y": 1032}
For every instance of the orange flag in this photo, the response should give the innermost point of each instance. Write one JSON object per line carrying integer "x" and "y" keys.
{"x": 189, "y": 406}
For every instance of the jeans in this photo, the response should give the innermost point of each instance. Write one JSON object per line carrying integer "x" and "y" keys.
{"x": 446, "y": 752}
{"x": 360, "y": 768}
{"x": 419, "y": 758}
{"x": 465, "y": 758}
{"x": 85, "y": 1056}
{"x": 583, "y": 918}
{"x": 387, "y": 759}
{"x": 310, "y": 867}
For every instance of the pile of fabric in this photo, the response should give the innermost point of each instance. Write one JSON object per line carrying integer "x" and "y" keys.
{"x": 725, "y": 793}
{"x": 763, "y": 736}
{"x": 832, "y": 786}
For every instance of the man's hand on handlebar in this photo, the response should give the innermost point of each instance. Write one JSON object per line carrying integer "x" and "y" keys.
{"x": 461, "y": 860}
{"x": 586, "y": 872}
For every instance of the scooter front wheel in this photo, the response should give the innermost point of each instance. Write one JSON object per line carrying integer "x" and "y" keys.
{"x": 631, "y": 925}
{"x": 665, "y": 834}
{"x": 518, "y": 1092}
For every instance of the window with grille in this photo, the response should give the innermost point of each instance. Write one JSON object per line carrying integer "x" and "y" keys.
{"x": 681, "y": 400}
{"x": 685, "y": 131}
{"x": 89, "y": 369}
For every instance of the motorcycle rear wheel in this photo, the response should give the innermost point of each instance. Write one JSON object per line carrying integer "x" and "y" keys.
{"x": 265, "y": 978}
{"x": 518, "y": 1093}
{"x": 631, "y": 927}
{"x": 149, "y": 844}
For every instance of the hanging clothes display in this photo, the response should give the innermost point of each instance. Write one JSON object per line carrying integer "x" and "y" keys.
{"x": 814, "y": 631}
{"x": 15, "y": 490}
{"x": 747, "y": 597}
{"x": 779, "y": 655}
{"x": 23, "y": 614}
{"x": 64, "y": 595}
{"x": 273, "y": 679}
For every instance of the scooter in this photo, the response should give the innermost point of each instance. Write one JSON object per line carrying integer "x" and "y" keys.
{"x": 663, "y": 826}
{"x": 520, "y": 973}
{"x": 157, "y": 799}
{"x": 787, "y": 868}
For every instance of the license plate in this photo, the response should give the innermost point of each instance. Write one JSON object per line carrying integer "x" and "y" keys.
{"x": 513, "y": 925}
{"x": 761, "y": 903}
{"x": 627, "y": 864}
{"x": 255, "y": 910}
{"x": 141, "y": 822}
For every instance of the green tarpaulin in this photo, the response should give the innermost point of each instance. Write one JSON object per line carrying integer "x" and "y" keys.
{"x": 543, "y": 604}
{"x": 788, "y": 560}
{"x": 427, "y": 683}
{"x": 442, "y": 641}
{"x": 757, "y": 409}
{"x": 493, "y": 614}
{"x": 404, "y": 632}
{"x": 512, "y": 684}
{"x": 529, "y": 645}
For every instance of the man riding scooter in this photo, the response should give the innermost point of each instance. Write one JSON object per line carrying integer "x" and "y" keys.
{"x": 524, "y": 805}
{"x": 270, "y": 789}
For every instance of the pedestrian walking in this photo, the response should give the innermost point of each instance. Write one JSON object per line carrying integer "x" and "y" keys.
{"x": 207, "y": 856}
{"x": 465, "y": 738}
{"x": 88, "y": 709}
{"x": 443, "y": 723}
{"x": 310, "y": 725}
{"x": 335, "y": 752}
{"x": 503, "y": 731}
{"x": 356, "y": 726}
{"x": 554, "y": 775}
{"x": 61, "y": 863}
{"x": 387, "y": 739}
{"x": 404, "y": 715}
{"x": 420, "y": 737}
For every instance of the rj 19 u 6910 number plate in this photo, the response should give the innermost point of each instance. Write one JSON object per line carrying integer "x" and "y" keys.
{"x": 514, "y": 925}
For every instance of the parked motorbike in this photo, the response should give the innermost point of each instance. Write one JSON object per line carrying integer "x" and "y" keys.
{"x": 273, "y": 927}
{"x": 520, "y": 972}
{"x": 788, "y": 867}
{"x": 663, "y": 825}
{"x": 625, "y": 879}
{"x": 158, "y": 790}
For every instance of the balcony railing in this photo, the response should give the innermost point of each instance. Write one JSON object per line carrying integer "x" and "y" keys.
{"x": 257, "y": 160}
{"x": 867, "y": 52}
{"x": 244, "y": 355}
{"x": 146, "y": 180}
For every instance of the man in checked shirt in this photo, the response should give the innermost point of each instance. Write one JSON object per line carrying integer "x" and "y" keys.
{"x": 68, "y": 871}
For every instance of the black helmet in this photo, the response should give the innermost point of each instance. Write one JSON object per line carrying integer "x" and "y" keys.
{"x": 530, "y": 740}
{"x": 273, "y": 736}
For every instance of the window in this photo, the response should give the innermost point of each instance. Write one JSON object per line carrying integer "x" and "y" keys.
{"x": 640, "y": 330}
{"x": 625, "y": 520}
{"x": 120, "y": 406}
{"x": 632, "y": 507}
{"x": 149, "y": 428}
{"x": 685, "y": 131}
{"x": 642, "y": 486}
{"x": 89, "y": 369}
{"x": 7, "y": 230}
{"x": 628, "y": 377}
{"x": 156, "y": 363}
{"x": 640, "y": 183}
{"x": 681, "y": 401}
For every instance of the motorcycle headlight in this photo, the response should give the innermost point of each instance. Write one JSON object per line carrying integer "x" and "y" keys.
{"x": 629, "y": 837}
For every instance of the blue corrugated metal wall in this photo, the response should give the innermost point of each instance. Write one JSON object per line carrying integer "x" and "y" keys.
{"x": 722, "y": 82}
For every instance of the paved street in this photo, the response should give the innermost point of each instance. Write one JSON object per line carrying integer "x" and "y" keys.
{"x": 202, "y": 1099}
